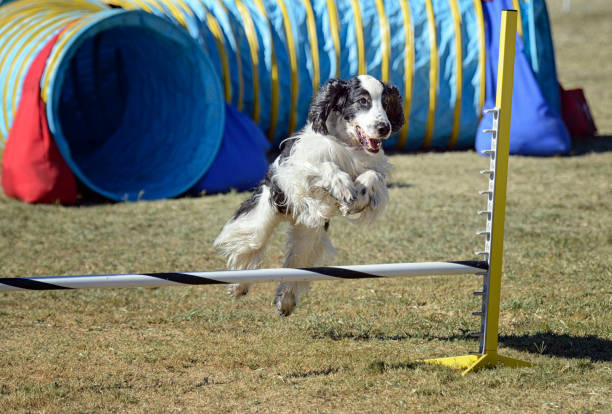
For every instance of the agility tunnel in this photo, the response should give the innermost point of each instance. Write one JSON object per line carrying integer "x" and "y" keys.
{"x": 131, "y": 100}
{"x": 134, "y": 95}
{"x": 272, "y": 55}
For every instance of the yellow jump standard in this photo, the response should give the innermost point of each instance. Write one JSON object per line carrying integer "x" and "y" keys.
{"x": 496, "y": 211}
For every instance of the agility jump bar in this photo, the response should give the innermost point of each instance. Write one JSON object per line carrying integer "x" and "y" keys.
{"x": 243, "y": 276}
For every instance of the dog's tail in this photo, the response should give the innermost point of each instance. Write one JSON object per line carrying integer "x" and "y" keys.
{"x": 243, "y": 239}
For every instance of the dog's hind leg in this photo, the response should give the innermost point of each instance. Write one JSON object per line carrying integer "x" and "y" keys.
{"x": 243, "y": 239}
{"x": 307, "y": 247}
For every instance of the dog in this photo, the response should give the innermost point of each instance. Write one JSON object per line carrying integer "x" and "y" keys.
{"x": 334, "y": 166}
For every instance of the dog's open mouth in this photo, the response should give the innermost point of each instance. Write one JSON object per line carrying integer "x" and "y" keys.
{"x": 371, "y": 145}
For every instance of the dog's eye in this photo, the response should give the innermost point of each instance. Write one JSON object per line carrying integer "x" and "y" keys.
{"x": 363, "y": 101}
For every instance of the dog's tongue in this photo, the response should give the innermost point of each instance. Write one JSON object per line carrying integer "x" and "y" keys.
{"x": 374, "y": 143}
{"x": 371, "y": 145}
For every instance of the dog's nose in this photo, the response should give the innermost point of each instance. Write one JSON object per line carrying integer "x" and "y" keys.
{"x": 382, "y": 128}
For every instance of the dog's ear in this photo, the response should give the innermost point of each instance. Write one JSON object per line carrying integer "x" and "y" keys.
{"x": 392, "y": 104}
{"x": 331, "y": 96}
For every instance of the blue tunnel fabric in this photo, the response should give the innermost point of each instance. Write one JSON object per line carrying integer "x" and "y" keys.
{"x": 259, "y": 35}
{"x": 539, "y": 50}
{"x": 536, "y": 128}
{"x": 241, "y": 162}
{"x": 443, "y": 122}
{"x": 417, "y": 120}
{"x": 470, "y": 105}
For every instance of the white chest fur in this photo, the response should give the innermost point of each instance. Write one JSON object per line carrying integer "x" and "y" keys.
{"x": 320, "y": 177}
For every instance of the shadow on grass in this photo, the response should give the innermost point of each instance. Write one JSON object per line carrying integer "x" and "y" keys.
{"x": 546, "y": 343}
{"x": 564, "y": 346}
{"x": 398, "y": 185}
{"x": 602, "y": 143}
{"x": 335, "y": 335}
{"x": 312, "y": 373}
{"x": 361, "y": 336}
{"x": 380, "y": 366}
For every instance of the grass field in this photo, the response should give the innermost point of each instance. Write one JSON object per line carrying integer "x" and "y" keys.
{"x": 351, "y": 346}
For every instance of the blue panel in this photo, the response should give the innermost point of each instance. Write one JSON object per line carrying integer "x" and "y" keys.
{"x": 536, "y": 129}
{"x": 540, "y": 51}
{"x": 241, "y": 163}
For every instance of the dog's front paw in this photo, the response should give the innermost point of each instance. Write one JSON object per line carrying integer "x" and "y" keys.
{"x": 343, "y": 190}
{"x": 237, "y": 290}
{"x": 365, "y": 198}
{"x": 371, "y": 192}
{"x": 366, "y": 186}
{"x": 284, "y": 301}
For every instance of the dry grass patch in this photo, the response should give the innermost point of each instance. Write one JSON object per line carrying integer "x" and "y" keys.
{"x": 351, "y": 346}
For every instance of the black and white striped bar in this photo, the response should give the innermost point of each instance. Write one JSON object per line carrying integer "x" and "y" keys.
{"x": 243, "y": 276}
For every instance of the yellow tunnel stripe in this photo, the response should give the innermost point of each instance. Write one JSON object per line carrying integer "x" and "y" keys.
{"x": 481, "y": 55}
{"x": 433, "y": 73}
{"x": 57, "y": 49}
{"x": 176, "y": 13}
{"x": 12, "y": 14}
{"x": 314, "y": 46}
{"x": 408, "y": 70}
{"x": 519, "y": 23}
{"x": 361, "y": 63}
{"x": 27, "y": 60}
{"x": 295, "y": 85}
{"x": 334, "y": 27}
{"x": 454, "y": 5}
{"x": 236, "y": 49}
{"x": 215, "y": 29}
{"x": 127, "y": 5}
{"x": 10, "y": 10}
{"x": 251, "y": 36}
{"x": 16, "y": 38}
{"x": 275, "y": 88}
{"x": 385, "y": 38}
{"x": 186, "y": 8}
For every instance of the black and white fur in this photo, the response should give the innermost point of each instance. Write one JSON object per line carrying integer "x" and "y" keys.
{"x": 333, "y": 166}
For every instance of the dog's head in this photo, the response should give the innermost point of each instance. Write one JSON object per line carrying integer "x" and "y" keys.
{"x": 361, "y": 111}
